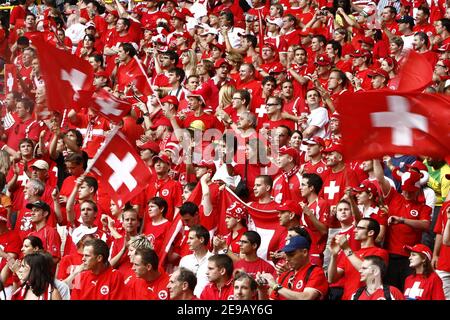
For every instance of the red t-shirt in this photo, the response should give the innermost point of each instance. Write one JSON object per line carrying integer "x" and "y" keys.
{"x": 67, "y": 265}
{"x": 295, "y": 280}
{"x": 170, "y": 190}
{"x": 317, "y": 168}
{"x": 444, "y": 254}
{"x": 211, "y": 292}
{"x": 253, "y": 267}
{"x": 156, "y": 234}
{"x": 108, "y": 285}
{"x": 379, "y": 294}
{"x": 50, "y": 239}
{"x": 419, "y": 287}
{"x": 399, "y": 235}
{"x": 233, "y": 243}
{"x": 10, "y": 243}
{"x": 139, "y": 289}
{"x": 321, "y": 210}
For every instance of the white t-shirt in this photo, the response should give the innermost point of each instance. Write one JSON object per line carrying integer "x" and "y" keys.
{"x": 199, "y": 267}
{"x": 318, "y": 118}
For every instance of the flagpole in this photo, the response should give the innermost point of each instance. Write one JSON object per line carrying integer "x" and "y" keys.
{"x": 108, "y": 139}
{"x": 146, "y": 78}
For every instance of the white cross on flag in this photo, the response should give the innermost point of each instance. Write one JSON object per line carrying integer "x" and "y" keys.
{"x": 65, "y": 75}
{"x": 383, "y": 122}
{"x": 121, "y": 170}
{"x": 109, "y": 106}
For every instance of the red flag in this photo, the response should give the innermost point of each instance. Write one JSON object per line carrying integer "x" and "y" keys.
{"x": 121, "y": 169}
{"x": 10, "y": 78}
{"x": 109, "y": 106}
{"x": 175, "y": 227}
{"x": 415, "y": 74}
{"x": 64, "y": 74}
{"x": 379, "y": 123}
{"x": 261, "y": 221}
{"x": 133, "y": 72}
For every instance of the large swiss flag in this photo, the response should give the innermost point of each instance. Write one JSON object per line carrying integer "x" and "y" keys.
{"x": 110, "y": 106}
{"x": 120, "y": 169}
{"x": 379, "y": 123}
{"x": 64, "y": 74}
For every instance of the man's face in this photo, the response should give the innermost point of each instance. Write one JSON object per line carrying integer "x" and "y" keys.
{"x": 30, "y": 22}
{"x": 417, "y": 42}
{"x": 333, "y": 81}
{"x": 40, "y": 174}
{"x": 222, "y": 72}
{"x": 386, "y": 15}
{"x": 367, "y": 165}
{"x": 333, "y": 158}
{"x": 38, "y": 215}
{"x": 343, "y": 212}
{"x": 90, "y": 260}
{"x": 120, "y": 26}
{"x": 122, "y": 55}
{"x": 305, "y": 189}
{"x": 283, "y": 160}
{"x": 242, "y": 290}
{"x": 74, "y": 169}
{"x": 193, "y": 241}
{"x": 130, "y": 221}
{"x": 315, "y": 44}
{"x": 172, "y": 77}
{"x": 312, "y": 150}
{"x": 287, "y": 90}
{"x": 10, "y": 101}
{"x": 282, "y": 136}
{"x": 272, "y": 106}
{"x": 26, "y": 148}
{"x": 139, "y": 267}
{"x": 366, "y": 271}
{"x": 377, "y": 82}
{"x": 297, "y": 258}
{"x": 189, "y": 220}
{"x": 245, "y": 73}
{"x": 84, "y": 192}
{"x": 330, "y": 51}
{"x": 312, "y": 98}
{"x": 165, "y": 61}
{"x": 421, "y": 17}
{"x": 192, "y": 83}
{"x": 267, "y": 53}
{"x": 175, "y": 287}
{"x": 284, "y": 217}
{"x": 269, "y": 87}
{"x": 214, "y": 272}
{"x": 245, "y": 247}
{"x": 88, "y": 214}
{"x": 161, "y": 167}
{"x": 230, "y": 222}
{"x": 300, "y": 57}
{"x": 260, "y": 188}
{"x": 361, "y": 230}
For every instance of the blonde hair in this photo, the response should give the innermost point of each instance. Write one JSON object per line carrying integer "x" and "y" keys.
{"x": 5, "y": 162}
{"x": 226, "y": 95}
{"x": 140, "y": 242}
{"x": 191, "y": 67}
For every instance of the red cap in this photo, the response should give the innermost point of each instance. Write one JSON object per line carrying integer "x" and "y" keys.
{"x": 410, "y": 181}
{"x": 289, "y": 151}
{"x": 418, "y": 165}
{"x": 163, "y": 121}
{"x": 420, "y": 248}
{"x": 220, "y": 62}
{"x": 290, "y": 206}
{"x": 367, "y": 40}
{"x": 270, "y": 45}
{"x": 360, "y": 53}
{"x": 336, "y": 116}
{"x": 219, "y": 46}
{"x": 323, "y": 60}
{"x": 101, "y": 74}
{"x": 367, "y": 186}
{"x": 314, "y": 140}
{"x": 150, "y": 145}
{"x": 378, "y": 72}
{"x": 209, "y": 164}
{"x": 237, "y": 211}
{"x": 179, "y": 15}
{"x": 163, "y": 157}
{"x": 200, "y": 92}
{"x": 3, "y": 214}
{"x": 334, "y": 147}
{"x": 170, "y": 99}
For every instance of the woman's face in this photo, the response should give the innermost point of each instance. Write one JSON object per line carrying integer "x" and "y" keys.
{"x": 154, "y": 211}
{"x": 24, "y": 270}
{"x": 385, "y": 66}
{"x": 296, "y": 140}
{"x": 415, "y": 260}
{"x": 27, "y": 248}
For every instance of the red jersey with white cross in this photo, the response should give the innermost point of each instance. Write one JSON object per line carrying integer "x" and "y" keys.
{"x": 399, "y": 235}
{"x": 156, "y": 233}
{"x": 50, "y": 239}
{"x": 321, "y": 211}
{"x": 168, "y": 189}
{"x": 295, "y": 280}
{"x": 211, "y": 292}
{"x": 140, "y": 289}
{"x": 419, "y": 287}
{"x": 317, "y": 168}
{"x": 444, "y": 254}
{"x": 107, "y": 285}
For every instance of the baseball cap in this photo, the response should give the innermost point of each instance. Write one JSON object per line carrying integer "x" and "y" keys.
{"x": 3, "y": 214}
{"x": 170, "y": 99}
{"x": 323, "y": 60}
{"x": 150, "y": 145}
{"x": 220, "y": 62}
{"x": 294, "y": 243}
{"x": 213, "y": 31}
{"x": 367, "y": 186}
{"x": 360, "y": 53}
{"x": 334, "y": 147}
{"x": 289, "y": 151}
{"x": 197, "y": 125}
{"x": 276, "y": 21}
{"x": 406, "y": 19}
{"x": 367, "y": 40}
{"x": 163, "y": 121}
{"x": 163, "y": 157}
{"x": 291, "y": 206}
{"x": 200, "y": 93}
{"x": 270, "y": 45}
{"x": 209, "y": 164}
{"x": 418, "y": 165}
{"x": 237, "y": 211}
{"x": 410, "y": 181}
{"x": 420, "y": 248}
{"x": 378, "y": 72}
{"x": 39, "y": 204}
{"x": 80, "y": 232}
{"x": 219, "y": 46}
{"x": 314, "y": 140}
{"x": 40, "y": 164}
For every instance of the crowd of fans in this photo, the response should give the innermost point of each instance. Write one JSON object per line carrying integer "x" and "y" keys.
{"x": 243, "y": 102}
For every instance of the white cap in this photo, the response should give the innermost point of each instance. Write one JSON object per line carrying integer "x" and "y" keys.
{"x": 277, "y": 21}
{"x": 40, "y": 164}
{"x": 210, "y": 31}
{"x": 80, "y": 232}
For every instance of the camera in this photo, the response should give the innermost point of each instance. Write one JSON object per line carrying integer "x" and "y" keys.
{"x": 249, "y": 18}
{"x": 322, "y": 13}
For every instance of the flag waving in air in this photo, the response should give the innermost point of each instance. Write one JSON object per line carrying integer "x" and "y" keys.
{"x": 378, "y": 123}
{"x": 64, "y": 74}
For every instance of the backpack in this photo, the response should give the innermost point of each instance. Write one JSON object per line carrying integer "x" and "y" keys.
{"x": 386, "y": 291}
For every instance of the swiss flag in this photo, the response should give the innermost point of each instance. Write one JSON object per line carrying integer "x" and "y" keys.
{"x": 121, "y": 169}
{"x": 110, "y": 106}
{"x": 10, "y": 78}
{"x": 133, "y": 72}
{"x": 415, "y": 74}
{"x": 379, "y": 123}
{"x": 64, "y": 74}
